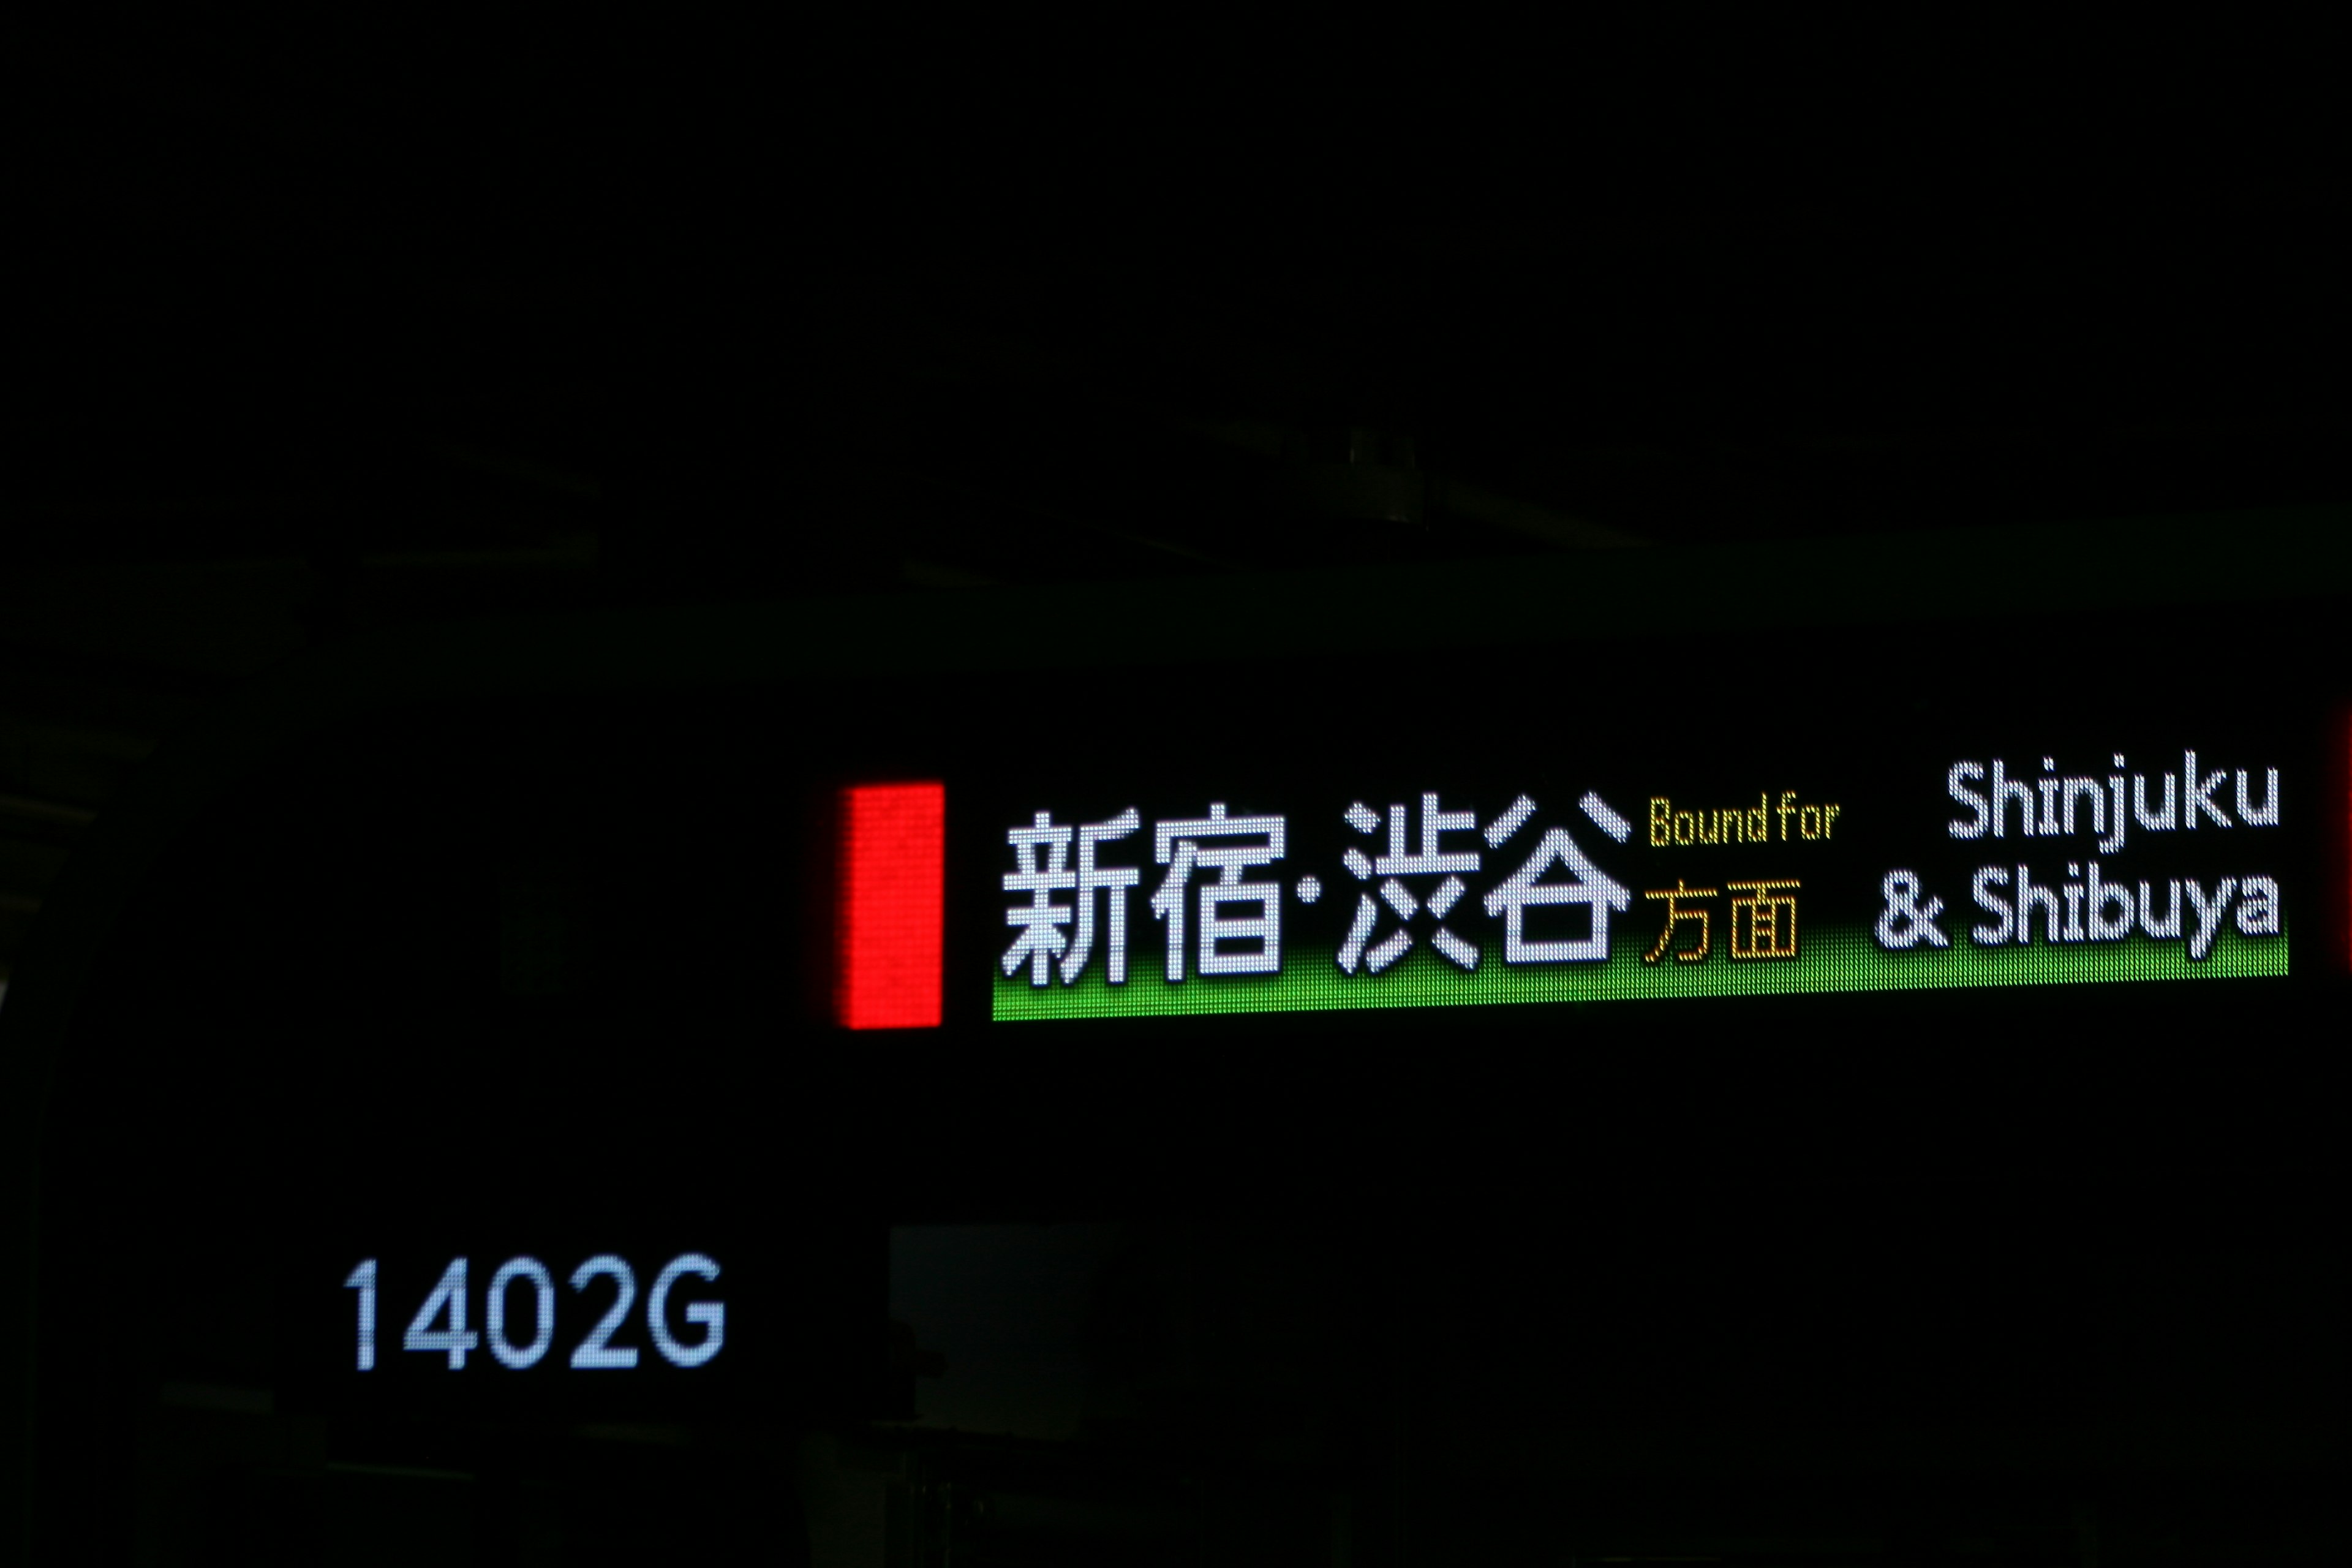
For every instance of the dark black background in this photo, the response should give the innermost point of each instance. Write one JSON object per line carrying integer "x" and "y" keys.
{"x": 794, "y": 305}
{"x": 813, "y": 310}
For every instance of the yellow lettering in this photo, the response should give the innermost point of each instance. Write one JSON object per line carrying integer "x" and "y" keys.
{"x": 1741, "y": 824}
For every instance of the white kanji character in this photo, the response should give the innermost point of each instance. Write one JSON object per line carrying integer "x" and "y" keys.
{"x": 1429, "y": 861}
{"x": 1176, "y": 846}
{"x": 1591, "y": 886}
{"x": 1041, "y": 918}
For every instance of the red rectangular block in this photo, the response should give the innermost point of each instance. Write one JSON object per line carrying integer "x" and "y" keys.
{"x": 891, "y": 906}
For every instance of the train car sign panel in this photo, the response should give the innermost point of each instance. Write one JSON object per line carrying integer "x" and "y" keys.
{"x": 2038, "y": 866}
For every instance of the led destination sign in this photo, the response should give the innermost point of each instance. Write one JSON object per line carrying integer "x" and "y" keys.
{"x": 2021, "y": 867}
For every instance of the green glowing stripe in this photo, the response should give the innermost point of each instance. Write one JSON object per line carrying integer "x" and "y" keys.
{"x": 1830, "y": 961}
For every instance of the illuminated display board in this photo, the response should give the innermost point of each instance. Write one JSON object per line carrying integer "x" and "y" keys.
{"x": 2031, "y": 866}
{"x": 1889, "y": 840}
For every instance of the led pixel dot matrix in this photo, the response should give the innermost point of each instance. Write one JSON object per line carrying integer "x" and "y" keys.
{"x": 891, "y": 905}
